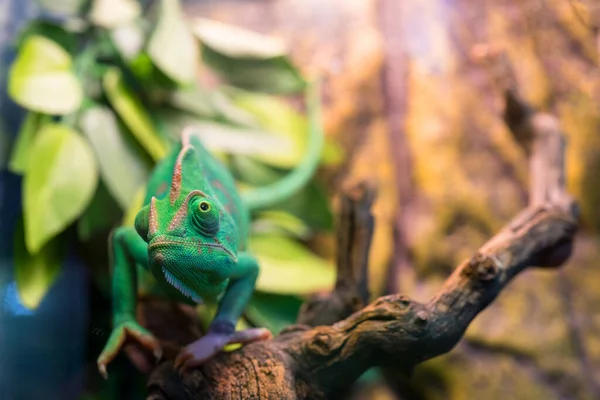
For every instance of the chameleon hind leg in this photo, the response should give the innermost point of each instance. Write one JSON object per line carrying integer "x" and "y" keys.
{"x": 222, "y": 329}
{"x": 127, "y": 249}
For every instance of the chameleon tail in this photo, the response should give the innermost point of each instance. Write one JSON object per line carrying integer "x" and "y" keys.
{"x": 269, "y": 195}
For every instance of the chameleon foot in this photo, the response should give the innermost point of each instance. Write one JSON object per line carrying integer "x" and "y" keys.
{"x": 119, "y": 336}
{"x": 212, "y": 343}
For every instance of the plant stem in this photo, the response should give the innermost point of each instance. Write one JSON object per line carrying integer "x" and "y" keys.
{"x": 84, "y": 62}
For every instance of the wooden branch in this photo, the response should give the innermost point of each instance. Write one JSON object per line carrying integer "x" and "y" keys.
{"x": 351, "y": 293}
{"x": 393, "y": 331}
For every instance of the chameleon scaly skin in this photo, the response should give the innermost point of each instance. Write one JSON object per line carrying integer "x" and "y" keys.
{"x": 191, "y": 235}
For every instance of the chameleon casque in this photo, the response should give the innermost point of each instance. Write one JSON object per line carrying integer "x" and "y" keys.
{"x": 192, "y": 238}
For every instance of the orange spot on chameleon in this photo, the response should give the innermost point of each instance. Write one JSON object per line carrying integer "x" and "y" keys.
{"x": 162, "y": 189}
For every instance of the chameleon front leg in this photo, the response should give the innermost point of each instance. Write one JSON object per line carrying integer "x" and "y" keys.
{"x": 222, "y": 329}
{"x": 127, "y": 249}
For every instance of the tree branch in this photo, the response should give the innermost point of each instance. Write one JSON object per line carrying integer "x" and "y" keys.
{"x": 321, "y": 362}
{"x": 351, "y": 293}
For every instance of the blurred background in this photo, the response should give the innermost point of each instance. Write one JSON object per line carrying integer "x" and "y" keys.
{"x": 95, "y": 92}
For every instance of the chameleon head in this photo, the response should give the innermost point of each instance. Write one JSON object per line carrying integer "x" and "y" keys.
{"x": 191, "y": 244}
{"x": 192, "y": 241}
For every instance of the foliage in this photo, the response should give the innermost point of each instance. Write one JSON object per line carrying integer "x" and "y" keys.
{"x": 108, "y": 90}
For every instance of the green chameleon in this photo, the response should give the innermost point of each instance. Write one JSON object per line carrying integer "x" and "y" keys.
{"x": 193, "y": 239}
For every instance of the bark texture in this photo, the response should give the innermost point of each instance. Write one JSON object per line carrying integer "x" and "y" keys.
{"x": 338, "y": 339}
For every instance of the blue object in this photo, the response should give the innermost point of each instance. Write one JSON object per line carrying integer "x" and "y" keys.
{"x": 42, "y": 351}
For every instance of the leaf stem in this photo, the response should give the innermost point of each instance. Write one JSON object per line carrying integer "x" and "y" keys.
{"x": 84, "y": 62}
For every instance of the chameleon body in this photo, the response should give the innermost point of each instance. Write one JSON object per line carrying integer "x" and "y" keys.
{"x": 191, "y": 234}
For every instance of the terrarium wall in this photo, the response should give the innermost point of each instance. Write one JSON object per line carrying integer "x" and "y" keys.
{"x": 413, "y": 92}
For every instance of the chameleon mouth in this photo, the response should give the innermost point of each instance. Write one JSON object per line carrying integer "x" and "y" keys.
{"x": 174, "y": 242}
{"x": 177, "y": 284}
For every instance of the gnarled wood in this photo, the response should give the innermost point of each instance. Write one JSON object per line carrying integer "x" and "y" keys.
{"x": 355, "y": 231}
{"x": 321, "y": 362}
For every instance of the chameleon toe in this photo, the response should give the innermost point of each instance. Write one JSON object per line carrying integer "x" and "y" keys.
{"x": 146, "y": 339}
{"x": 181, "y": 362}
{"x": 211, "y": 344}
{"x": 102, "y": 370}
{"x": 201, "y": 350}
{"x": 110, "y": 351}
{"x": 250, "y": 335}
{"x": 120, "y": 334}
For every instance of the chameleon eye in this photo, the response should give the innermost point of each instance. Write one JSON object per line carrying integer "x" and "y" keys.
{"x": 206, "y": 218}
{"x": 141, "y": 223}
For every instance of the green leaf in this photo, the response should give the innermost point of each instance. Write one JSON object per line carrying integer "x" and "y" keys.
{"x": 133, "y": 114}
{"x": 280, "y": 223}
{"x": 229, "y": 112}
{"x": 287, "y": 267}
{"x": 175, "y": 121}
{"x": 311, "y": 204}
{"x": 134, "y": 208}
{"x": 114, "y": 13}
{"x": 272, "y": 75}
{"x": 60, "y": 179}
{"x": 279, "y": 118}
{"x": 122, "y": 165}
{"x": 253, "y": 172}
{"x": 53, "y": 31}
{"x": 273, "y": 311}
{"x": 247, "y": 59}
{"x": 102, "y": 214}
{"x": 141, "y": 66}
{"x": 129, "y": 40}
{"x": 172, "y": 46}
{"x": 193, "y": 99}
{"x": 156, "y": 85}
{"x": 210, "y": 104}
{"x": 41, "y": 78}
{"x": 35, "y": 274}
{"x": 172, "y": 122}
{"x": 237, "y": 42}
{"x": 20, "y": 152}
{"x": 230, "y": 139}
{"x": 65, "y": 7}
